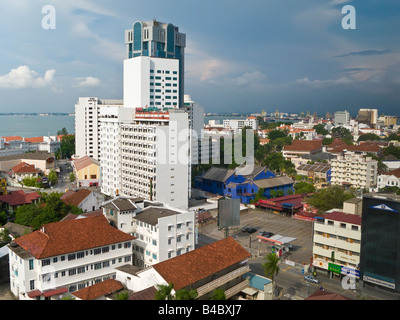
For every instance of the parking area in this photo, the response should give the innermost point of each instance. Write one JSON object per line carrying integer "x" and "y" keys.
{"x": 263, "y": 220}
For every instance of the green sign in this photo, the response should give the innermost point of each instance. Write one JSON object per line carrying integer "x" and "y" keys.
{"x": 334, "y": 268}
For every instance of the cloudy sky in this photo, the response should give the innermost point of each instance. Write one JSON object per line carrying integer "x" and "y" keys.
{"x": 241, "y": 56}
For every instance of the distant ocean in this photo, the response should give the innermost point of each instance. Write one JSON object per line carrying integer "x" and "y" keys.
{"x": 28, "y": 126}
{"x": 35, "y": 126}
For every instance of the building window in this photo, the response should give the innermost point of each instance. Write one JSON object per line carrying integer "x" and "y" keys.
{"x": 45, "y": 262}
{"x": 31, "y": 264}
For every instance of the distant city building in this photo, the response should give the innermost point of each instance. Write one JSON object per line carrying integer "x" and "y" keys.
{"x": 368, "y": 117}
{"x": 238, "y": 124}
{"x": 341, "y": 118}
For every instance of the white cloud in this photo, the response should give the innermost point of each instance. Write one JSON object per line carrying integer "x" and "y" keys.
{"x": 24, "y": 77}
{"x": 322, "y": 83}
{"x": 88, "y": 81}
{"x": 250, "y": 78}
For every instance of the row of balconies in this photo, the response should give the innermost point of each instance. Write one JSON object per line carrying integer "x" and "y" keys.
{"x": 210, "y": 286}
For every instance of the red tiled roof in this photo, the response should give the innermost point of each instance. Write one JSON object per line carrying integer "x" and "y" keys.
{"x": 12, "y": 138}
{"x": 24, "y": 167}
{"x": 395, "y": 173}
{"x": 97, "y": 290}
{"x": 75, "y": 198}
{"x": 146, "y": 294}
{"x": 19, "y": 197}
{"x": 34, "y": 139}
{"x": 343, "y": 217}
{"x": 84, "y": 162}
{"x": 55, "y": 238}
{"x": 303, "y": 145}
{"x": 203, "y": 262}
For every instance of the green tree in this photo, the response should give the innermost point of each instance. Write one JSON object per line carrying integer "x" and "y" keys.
{"x": 218, "y": 294}
{"x": 304, "y": 187}
{"x": 67, "y": 147}
{"x": 53, "y": 177}
{"x": 330, "y": 198}
{"x": 369, "y": 137}
{"x": 183, "y": 294}
{"x": 62, "y": 132}
{"x": 271, "y": 268}
{"x": 320, "y": 129}
{"x": 72, "y": 177}
{"x": 164, "y": 292}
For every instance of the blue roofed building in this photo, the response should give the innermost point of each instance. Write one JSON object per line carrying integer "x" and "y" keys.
{"x": 233, "y": 184}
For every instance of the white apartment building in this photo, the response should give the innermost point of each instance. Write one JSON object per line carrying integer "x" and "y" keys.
{"x": 337, "y": 243}
{"x": 110, "y": 120}
{"x": 354, "y": 171}
{"x": 162, "y": 232}
{"x": 151, "y": 82}
{"x": 238, "y": 124}
{"x": 87, "y": 125}
{"x": 155, "y": 157}
{"x": 66, "y": 256}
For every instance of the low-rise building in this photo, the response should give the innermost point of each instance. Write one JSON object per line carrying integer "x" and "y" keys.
{"x": 84, "y": 199}
{"x": 162, "y": 232}
{"x": 87, "y": 171}
{"x": 337, "y": 243}
{"x": 66, "y": 256}
{"x": 299, "y": 148}
{"x": 315, "y": 171}
{"x": 222, "y": 265}
{"x": 14, "y": 199}
{"x": 389, "y": 179}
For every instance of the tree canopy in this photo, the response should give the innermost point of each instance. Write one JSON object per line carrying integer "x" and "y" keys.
{"x": 50, "y": 209}
{"x": 330, "y": 198}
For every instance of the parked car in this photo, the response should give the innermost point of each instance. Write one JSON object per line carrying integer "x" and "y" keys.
{"x": 265, "y": 234}
{"x": 311, "y": 279}
{"x": 249, "y": 230}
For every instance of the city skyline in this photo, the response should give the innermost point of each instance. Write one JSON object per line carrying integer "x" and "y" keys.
{"x": 262, "y": 55}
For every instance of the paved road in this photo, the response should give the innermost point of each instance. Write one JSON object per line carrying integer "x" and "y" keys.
{"x": 290, "y": 278}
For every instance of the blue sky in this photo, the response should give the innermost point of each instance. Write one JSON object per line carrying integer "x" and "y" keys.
{"x": 241, "y": 56}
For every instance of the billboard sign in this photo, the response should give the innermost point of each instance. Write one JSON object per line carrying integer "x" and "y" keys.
{"x": 228, "y": 213}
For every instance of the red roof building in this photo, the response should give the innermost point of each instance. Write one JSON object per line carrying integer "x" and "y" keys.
{"x": 14, "y": 199}
{"x": 99, "y": 291}
{"x": 24, "y": 169}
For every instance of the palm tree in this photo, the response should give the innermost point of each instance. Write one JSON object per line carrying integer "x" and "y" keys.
{"x": 164, "y": 292}
{"x": 218, "y": 294}
{"x": 271, "y": 268}
{"x": 183, "y": 294}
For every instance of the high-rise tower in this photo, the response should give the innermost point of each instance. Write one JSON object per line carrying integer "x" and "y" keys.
{"x": 158, "y": 41}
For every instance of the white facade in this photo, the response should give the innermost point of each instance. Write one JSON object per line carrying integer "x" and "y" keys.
{"x": 166, "y": 234}
{"x": 162, "y": 232}
{"x": 110, "y": 119}
{"x": 355, "y": 171}
{"x": 342, "y": 118}
{"x": 151, "y": 82}
{"x": 155, "y": 157}
{"x": 239, "y": 124}
{"x": 69, "y": 270}
{"x": 337, "y": 236}
{"x": 87, "y": 126}
{"x": 389, "y": 180}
